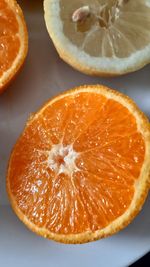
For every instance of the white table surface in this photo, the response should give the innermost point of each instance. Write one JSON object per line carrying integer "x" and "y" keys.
{"x": 43, "y": 76}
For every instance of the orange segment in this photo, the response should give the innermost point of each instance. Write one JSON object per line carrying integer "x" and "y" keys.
{"x": 13, "y": 40}
{"x": 81, "y": 165}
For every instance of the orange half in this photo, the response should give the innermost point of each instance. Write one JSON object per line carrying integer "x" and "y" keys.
{"x": 13, "y": 41}
{"x": 80, "y": 170}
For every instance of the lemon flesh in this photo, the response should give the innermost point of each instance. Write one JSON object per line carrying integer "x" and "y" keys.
{"x": 112, "y": 28}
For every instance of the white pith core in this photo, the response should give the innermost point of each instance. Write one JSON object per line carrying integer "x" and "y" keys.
{"x": 61, "y": 159}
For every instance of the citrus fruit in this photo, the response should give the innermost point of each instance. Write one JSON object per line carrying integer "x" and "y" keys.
{"x": 100, "y": 37}
{"x": 80, "y": 170}
{"x": 13, "y": 41}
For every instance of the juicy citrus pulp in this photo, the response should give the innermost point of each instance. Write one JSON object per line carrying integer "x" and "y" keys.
{"x": 13, "y": 40}
{"x": 113, "y": 37}
{"x": 113, "y": 29}
{"x": 81, "y": 165}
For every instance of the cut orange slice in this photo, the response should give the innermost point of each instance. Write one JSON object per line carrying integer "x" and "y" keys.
{"x": 80, "y": 170}
{"x": 100, "y": 37}
{"x": 13, "y": 41}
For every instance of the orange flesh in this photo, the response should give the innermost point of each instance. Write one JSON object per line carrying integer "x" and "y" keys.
{"x": 9, "y": 41}
{"x": 109, "y": 153}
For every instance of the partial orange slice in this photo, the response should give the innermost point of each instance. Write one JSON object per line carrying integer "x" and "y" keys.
{"x": 100, "y": 37}
{"x": 80, "y": 170}
{"x": 13, "y": 41}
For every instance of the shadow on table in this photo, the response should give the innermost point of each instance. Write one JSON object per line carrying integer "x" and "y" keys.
{"x": 32, "y": 5}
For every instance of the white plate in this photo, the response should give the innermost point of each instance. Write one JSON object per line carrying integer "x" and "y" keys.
{"x": 43, "y": 76}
